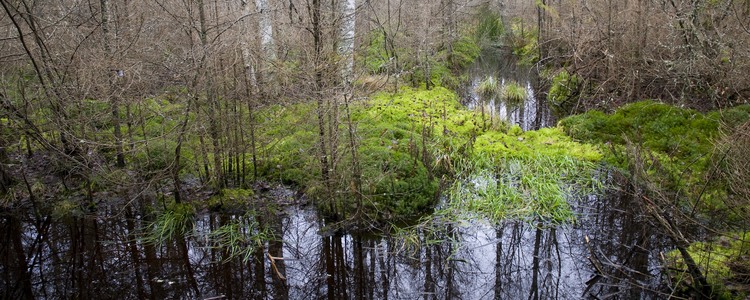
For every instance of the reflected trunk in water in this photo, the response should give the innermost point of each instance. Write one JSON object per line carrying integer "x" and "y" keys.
{"x": 359, "y": 274}
{"x": 278, "y": 266}
{"x": 429, "y": 282}
{"x": 335, "y": 267}
{"x": 15, "y": 267}
{"x": 534, "y": 292}
{"x": 134, "y": 253}
{"x": 103, "y": 254}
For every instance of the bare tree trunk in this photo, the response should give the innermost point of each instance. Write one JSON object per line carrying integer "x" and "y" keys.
{"x": 251, "y": 83}
{"x": 212, "y": 99}
{"x": 5, "y": 179}
{"x": 346, "y": 40}
{"x": 315, "y": 28}
{"x": 346, "y": 51}
{"x": 267, "y": 43}
{"x": 178, "y": 155}
{"x": 113, "y": 74}
{"x": 250, "y": 75}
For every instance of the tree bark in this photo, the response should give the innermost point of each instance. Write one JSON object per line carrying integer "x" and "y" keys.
{"x": 267, "y": 43}
{"x": 346, "y": 40}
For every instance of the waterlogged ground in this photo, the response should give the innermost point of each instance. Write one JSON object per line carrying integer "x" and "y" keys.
{"x": 608, "y": 250}
{"x": 531, "y": 113}
{"x": 103, "y": 257}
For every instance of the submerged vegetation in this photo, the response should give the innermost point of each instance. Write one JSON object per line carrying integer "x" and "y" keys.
{"x": 514, "y": 94}
{"x": 524, "y": 175}
{"x": 175, "y": 221}
{"x": 238, "y": 235}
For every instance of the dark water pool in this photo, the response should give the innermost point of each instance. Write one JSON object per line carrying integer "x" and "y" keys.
{"x": 610, "y": 251}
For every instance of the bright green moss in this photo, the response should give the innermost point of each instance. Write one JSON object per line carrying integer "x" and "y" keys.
{"x": 681, "y": 133}
{"x": 408, "y": 140}
{"x": 673, "y": 147}
{"x": 561, "y": 95}
{"x": 723, "y": 263}
{"x": 287, "y": 138}
{"x": 533, "y": 170}
{"x": 398, "y": 130}
{"x": 548, "y": 142}
{"x": 395, "y": 182}
{"x": 412, "y": 109}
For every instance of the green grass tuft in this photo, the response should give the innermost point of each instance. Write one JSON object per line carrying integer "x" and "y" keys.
{"x": 176, "y": 220}
{"x": 514, "y": 93}
{"x": 489, "y": 87}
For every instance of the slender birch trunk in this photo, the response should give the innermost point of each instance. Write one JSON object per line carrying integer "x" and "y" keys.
{"x": 267, "y": 42}
{"x": 346, "y": 52}
{"x": 346, "y": 40}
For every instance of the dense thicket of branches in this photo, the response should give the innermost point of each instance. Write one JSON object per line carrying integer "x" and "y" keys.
{"x": 691, "y": 52}
{"x": 131, "y": 91}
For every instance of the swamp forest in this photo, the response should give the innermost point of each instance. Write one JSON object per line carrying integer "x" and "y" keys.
{"x": 375, "y": 149}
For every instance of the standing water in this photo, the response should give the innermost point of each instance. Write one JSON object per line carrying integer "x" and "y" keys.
{"x": 610, "y": 251}
{"x": 499, "y": 67}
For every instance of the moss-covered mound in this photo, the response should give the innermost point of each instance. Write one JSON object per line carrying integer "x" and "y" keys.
{"x": 399, "y": 134}
{"x": 676, "y": 144}
{"x": 674, "y": 155}
{"x": 410, "y": 142}
{"x": 524, "y": 175}
{"x": 676, "y": 132}
{"x": 724, "y": 263}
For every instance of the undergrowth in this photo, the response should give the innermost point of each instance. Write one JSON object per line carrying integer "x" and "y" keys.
{"x": 679, "y": 142}
{"x": 723, "y": 262}
{"x": 674, "y": 155}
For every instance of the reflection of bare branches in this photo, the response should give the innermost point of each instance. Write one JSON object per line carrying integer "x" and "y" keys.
{"x": 470, "y": 260}
{"x": 273, "y": 259}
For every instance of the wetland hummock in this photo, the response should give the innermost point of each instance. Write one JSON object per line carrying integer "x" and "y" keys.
{"x": 374, "y": 149}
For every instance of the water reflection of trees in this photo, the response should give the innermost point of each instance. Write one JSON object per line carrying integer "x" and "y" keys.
{"x": 609, "y": 252}
{"x": 624, "y": 250}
